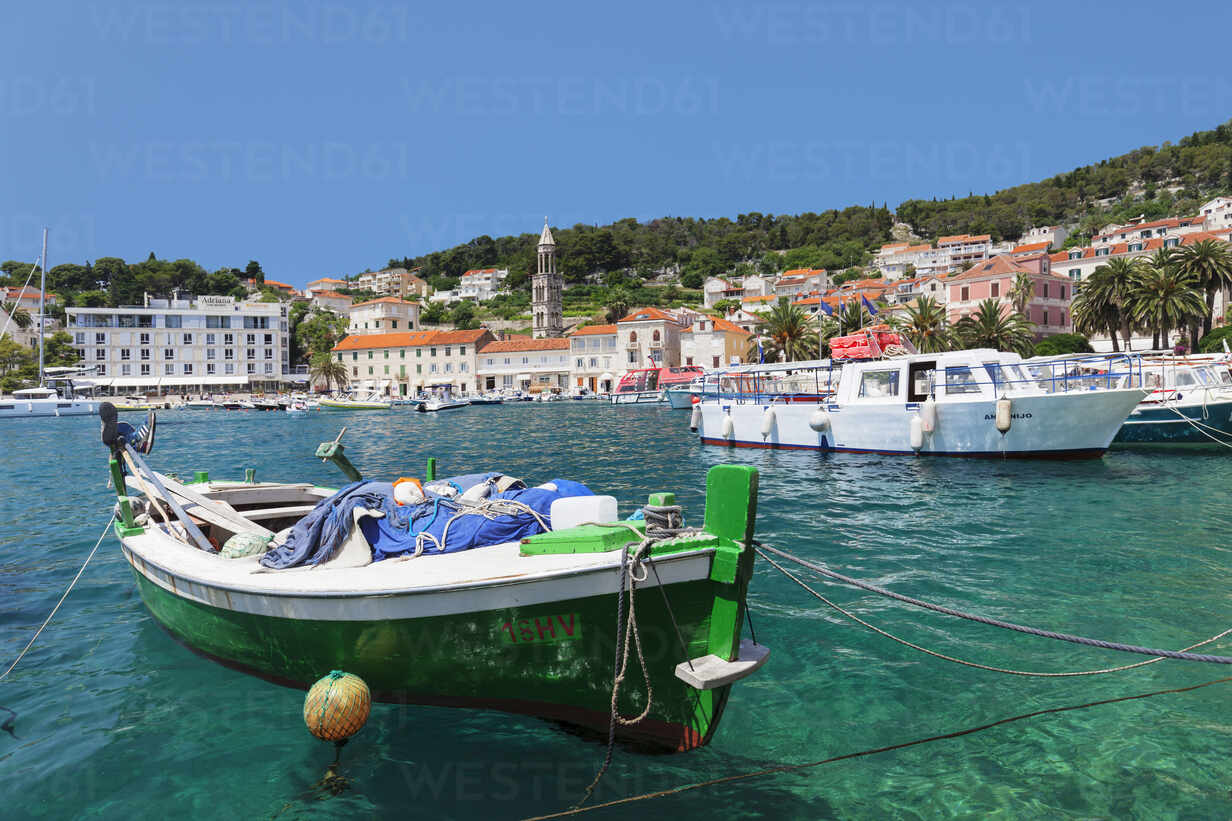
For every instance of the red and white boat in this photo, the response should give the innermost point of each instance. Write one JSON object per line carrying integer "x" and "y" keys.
{"x": 649, "y": 385}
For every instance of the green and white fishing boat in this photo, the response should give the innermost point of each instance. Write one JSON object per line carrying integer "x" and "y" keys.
{"x": 535, "y": 626}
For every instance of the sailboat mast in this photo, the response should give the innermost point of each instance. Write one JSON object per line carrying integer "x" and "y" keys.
{"x": 42, "y": 299}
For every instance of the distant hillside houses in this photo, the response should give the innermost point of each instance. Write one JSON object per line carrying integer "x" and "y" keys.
{"x": 397, "y": 282}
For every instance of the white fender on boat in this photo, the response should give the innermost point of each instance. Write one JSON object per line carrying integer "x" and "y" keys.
{"x": 928, "y": 415}
{"x": 767, "y": 422}
{"x": 915, "y": 429}
{"x": 819, "y": 420}
{"x": 695, "y": 421}
{"x": 729, "y": 427}
{"x": 1004, "y": 408}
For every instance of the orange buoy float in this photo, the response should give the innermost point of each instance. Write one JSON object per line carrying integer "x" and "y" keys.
{"x": 337, "y": 706}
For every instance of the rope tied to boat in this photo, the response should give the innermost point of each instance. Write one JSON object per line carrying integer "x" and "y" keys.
{"x": 490, "y": 509}
{"x": 1180, "y": 655}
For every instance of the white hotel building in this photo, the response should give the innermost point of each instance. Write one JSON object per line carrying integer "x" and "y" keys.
{"x": 211, "y": 343}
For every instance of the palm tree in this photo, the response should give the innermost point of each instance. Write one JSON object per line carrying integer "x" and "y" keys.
{"x": 785, "y": 331}
{"x": 325, "y": 368}
{"x": 1167, "y": 298}
{"x": 1021, "y": 292}
{"x": 851, "y": 316}
{"x": 991, "y": 327}
{"x": 1210, "y": 265}
{"x": 20, "y": 316}
{"x": 1162, "y": 260}
{"x": 617, "y": 304}
{"x": 1093, "y": 313}
{"x": 924, "y": 323}
{"x": 1113, "y": 283}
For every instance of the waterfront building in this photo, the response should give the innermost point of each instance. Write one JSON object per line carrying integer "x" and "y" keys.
{"x": 1077, "y": 264}
{"x": 546, "y": 287}
{"x": 184, "y": 345}
{"x": 28, "y": 299}
{"x": 713, "y": 342}
{"x": 481, "y": 284}
{"x": 1217, "y": 214}
{"x": 381, "y": 315}
{"x": 402, "y": 363}
{"x": 325, "y": 284}
{"x": 397, "y": 282}
{"x": 649, "y": 337}
{"x": 332, "y": 301}
{"x": 1054, "y": 235}
{"x": 800, "y": 281}
{"x": 447, "y": 297}
{"x": 716, "y": 289}
{"x": 1138, "y": 230}
{"x": 595, "y": 355}
{"x": 965, "y": 249}
{"x": 1048, "y": 305}
{"x": 521, "y": 363}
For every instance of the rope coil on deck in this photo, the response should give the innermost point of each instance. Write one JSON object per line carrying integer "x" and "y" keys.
{"x": 1179, "y": 655}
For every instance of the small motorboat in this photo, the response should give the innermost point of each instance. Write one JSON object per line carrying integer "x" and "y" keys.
{"x": 297, "y": 406}
{"x": 441, "y": 404}
{"x": 488, "y": 399}
{"x": 351, "y": 402}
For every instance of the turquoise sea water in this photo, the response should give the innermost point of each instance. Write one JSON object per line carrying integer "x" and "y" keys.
{"x": 117, "y": 720}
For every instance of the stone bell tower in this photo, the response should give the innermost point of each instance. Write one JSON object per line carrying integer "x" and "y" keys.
{"x": 546, "y": 286}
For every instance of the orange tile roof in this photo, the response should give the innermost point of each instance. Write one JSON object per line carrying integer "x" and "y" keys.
{"x": 28, "y": 293}
{"x": 648, "y": 314}
{"x": 476, "y": 271}
{"x": 459, "y": 337}
{"x": 594, "y": 330}
{"x": 333, "y": 294}
{"x": 1034, "y": 246}
{"x": 720, "y": 324}
{"x": 407, "y": 339}
{"x": 273, "y": 283}
{"x": 359, "y": 342}
{"x": 525, "y": 344}
{"x": 380, "y": 300}
{"x": 804, "y": 272}
{"x": 759, "y": 299}
{"x": 963, "y": 238}
{"x": 327, "y": 279}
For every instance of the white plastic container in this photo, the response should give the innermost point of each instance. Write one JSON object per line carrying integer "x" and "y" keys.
{"x": 575, "y": 510}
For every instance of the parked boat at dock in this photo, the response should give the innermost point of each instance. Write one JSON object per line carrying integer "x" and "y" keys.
{"x": 650, "y": 385}
{"x": 958, "y": 403}
{"x": 524, "y": 625}
{"x": 350, "y": 402}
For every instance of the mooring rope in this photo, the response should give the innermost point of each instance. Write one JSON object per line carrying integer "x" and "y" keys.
{"x": 67, "y": 590}
{"x": 974, "y": 664}
{"x": 786, "y": 768}
{"x": 1203, "y": 428}
{"x": 1033, "y": 631}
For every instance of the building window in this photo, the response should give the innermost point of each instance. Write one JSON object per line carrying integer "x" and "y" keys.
{"x": 228, "y": 353}
{"x": 210, "y": 368}
{"x": 210, "y": 339}
{"x": 579, "y": 364}
{"x": 964, "y": 294}
{"x": 126, "y": 370}
{"x": 228, "y": 369}
{"x": 688, "y": 360}
{"x": 386, "y": 352}
{"x": 461, "y": 350}
{"x": 228, "y": 339}
{"x": 996, "y": 289}
{"x": 716, "y": 362}
{"x": 101, "y": 370}
{"x": 1075, "y": 273}
{"x": 188, "y": 339}
{"x": 145, "y": 370}
{"x": 125, "y": 354}
{"x": 269, "y": 353}
{"x": 432, "y": 351}
{"x": 211, "y": 353}
{"x": 145, "y": 354}
{"x": 188, "y": 368}
{"x": 169, "y": 369}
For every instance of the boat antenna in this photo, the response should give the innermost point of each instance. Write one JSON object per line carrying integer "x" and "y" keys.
{"x": 42, "y": 298}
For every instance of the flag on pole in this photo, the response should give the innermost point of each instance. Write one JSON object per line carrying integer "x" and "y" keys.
{"x": 761, "y": 352}
{"x": 826, "y": 309}
{"x": 872, "y": 311}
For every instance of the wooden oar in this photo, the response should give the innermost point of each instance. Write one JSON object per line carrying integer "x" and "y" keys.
{"x": 189, "y": 525}
{"x": 212, "y": 510}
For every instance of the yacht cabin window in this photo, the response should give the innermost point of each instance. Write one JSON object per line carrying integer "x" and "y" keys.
{"x": 879, "y": 384}
{"x": 959, "y": 379}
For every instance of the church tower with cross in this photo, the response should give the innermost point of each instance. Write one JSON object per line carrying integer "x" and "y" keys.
{"x": 546, "y": 284}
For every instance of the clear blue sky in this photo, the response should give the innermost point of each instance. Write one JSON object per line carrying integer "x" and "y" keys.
{"x": 326, "y": 137}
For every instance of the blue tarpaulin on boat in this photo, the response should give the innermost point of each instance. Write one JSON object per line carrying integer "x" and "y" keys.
{"x": 444, "y": 531}
{"x": 318, "y": 535}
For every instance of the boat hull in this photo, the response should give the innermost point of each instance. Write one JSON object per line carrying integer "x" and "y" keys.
{"x": 25, "y": 408}
{"x": 638, "y": 398}
{"x": 1173, "y": 423}
{"x": 680, "y": 398}
{"x": 1059, "y": 425}
{"x": 552, "y": 660}
{"x": 331, "y": 404}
